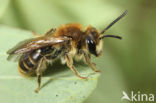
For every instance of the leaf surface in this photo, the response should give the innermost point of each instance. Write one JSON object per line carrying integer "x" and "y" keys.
{"x": 59, "y": 84}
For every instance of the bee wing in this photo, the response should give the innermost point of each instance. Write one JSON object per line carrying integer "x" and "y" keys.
{"x": 19, "y": 45}
{"x": 13, "y": 56}
{"x": 33, "y": 44}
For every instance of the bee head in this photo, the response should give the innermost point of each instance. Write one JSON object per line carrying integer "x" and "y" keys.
{"x": 92, "y": 41}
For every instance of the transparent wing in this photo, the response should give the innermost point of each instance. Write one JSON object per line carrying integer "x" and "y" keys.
{"x": 36, "y": 43}
{"x": 19, "y": 45}
{"x": 13, "y": 56}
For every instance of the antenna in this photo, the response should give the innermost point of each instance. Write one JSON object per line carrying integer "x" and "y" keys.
{"x": 116, "y": 20}
{"x": 113, "y": 36}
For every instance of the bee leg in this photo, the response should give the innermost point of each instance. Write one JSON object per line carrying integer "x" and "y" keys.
{"x": 88, "y": 61}
{"x": 36, "y": 35}
{"x": 51, "y": 31}
{"x": 70, "y": 65}
{"x": 39, "y": 83}
{"x": 39, "y": 70}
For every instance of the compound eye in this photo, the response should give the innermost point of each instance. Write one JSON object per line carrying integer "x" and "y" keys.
{"x": 91, "y": 46}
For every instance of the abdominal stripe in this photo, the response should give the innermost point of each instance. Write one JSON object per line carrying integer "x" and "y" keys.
{"x": 23, "y": 67}
{"x": 28, "y": 62}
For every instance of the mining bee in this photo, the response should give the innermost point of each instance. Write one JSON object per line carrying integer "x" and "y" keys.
{"x": 67, "y": 42}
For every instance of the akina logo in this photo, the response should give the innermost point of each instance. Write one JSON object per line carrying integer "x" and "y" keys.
{"x": 137, "y": 96}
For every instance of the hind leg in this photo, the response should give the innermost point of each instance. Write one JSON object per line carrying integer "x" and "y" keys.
{"x": 51, "y": 31}
{"x": 39, "y": 70}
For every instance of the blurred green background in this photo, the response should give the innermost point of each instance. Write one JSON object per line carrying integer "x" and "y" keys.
{"x": 131, "y": 61}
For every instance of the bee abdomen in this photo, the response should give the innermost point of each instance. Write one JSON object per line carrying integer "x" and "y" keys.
{"x": 26, "y": 65}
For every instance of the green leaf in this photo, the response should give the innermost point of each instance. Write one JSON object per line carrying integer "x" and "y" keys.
{"x": 59, "y": 84}
{"x": 3, "y": 5}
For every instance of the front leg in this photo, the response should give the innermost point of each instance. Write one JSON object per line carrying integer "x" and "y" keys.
{"x": 69, "y": 61}
{"x": 88, "y": 61}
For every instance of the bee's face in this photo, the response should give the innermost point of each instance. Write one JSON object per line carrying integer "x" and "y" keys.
{"x": 93, "y": 43}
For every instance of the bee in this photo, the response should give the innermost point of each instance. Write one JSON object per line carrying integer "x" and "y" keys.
{"x": 67, "y": 42}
